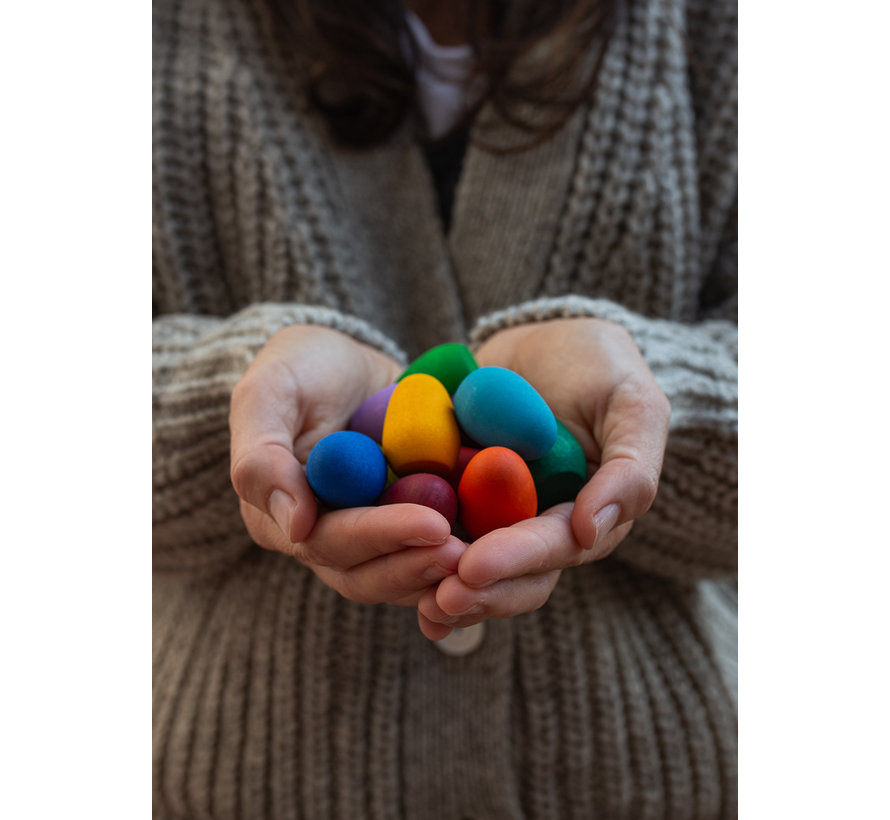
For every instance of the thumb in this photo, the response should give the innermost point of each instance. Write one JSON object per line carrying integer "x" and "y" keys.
{"x": 264, "y": 470}
{"x": 268, "y": 476}
{"x": 626, "y": 482}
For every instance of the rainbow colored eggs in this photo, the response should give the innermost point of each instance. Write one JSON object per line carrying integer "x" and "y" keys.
{"x": 478, "y": 444}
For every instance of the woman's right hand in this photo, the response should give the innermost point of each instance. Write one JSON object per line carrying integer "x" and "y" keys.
{"x": 305, "y": 383}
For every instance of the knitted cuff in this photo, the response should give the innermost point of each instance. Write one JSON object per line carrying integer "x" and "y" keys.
{"x": 557, "y": 307}
{"x": 264, "y": 319}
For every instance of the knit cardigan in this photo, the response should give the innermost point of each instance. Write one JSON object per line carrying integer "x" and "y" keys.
{"x": 273, "y": 695}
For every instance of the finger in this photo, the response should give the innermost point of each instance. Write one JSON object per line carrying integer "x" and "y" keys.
{"x": 456, "y": 604}
{"x": 530, "y": 547}
{"x": 271, "y": 480}
{"x": 634, "y": 434}
{"x": 431, "y": 629}
{"x": 264, "y": 470}
{"x": 264, "y": 531}
{"x": 343, "y": 539}
{"x": 401, "y": 577}
{"x": 429, "y": 612}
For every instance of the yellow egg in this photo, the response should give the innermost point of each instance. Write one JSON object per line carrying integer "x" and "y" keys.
{"x": 420, "y": 432}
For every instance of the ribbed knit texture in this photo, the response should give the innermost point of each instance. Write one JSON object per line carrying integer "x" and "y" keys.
{"x": 273, "y": 696}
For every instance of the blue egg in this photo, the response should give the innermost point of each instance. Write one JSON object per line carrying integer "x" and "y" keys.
{"x": 346, "y": 469}
{"x": 498, "y": 408}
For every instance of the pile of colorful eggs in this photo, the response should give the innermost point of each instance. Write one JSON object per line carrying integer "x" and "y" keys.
{"x": 478, "y": 444}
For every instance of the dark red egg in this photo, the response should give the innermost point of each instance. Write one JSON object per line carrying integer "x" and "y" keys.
{"x": 426, "y": 489}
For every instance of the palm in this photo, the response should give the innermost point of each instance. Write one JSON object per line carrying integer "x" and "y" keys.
{"x": 595, "y": 380}
{"x": 324, "y": 377}
{"x": 563, "y": 367}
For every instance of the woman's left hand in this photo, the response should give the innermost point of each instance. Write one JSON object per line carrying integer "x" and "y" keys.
{"x": 595, "y": 380}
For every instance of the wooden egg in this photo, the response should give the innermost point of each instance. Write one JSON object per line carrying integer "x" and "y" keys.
{"x": 426, "y": 489}
{"x": 496, "y": 490}
{"x": 346, "y": 469}
{"x": 369, "y": 415}
{"x": 498, "y": 408}
{"x": 463, "y": 458}
{"x": 562, "y": 472}
{"x": 449, "y": 363}
{"x": 420, "y": 432}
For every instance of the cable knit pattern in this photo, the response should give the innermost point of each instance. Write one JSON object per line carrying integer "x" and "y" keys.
{"x": 273, "y": 696}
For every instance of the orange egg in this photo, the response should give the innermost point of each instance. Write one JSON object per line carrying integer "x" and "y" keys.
{"x": 496, "y": 490}
{"x": 420, "y": 432}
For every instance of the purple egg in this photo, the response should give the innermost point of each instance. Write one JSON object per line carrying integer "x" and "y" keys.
{"x": 369, "y": 415}
{"x": 426, "y": 489}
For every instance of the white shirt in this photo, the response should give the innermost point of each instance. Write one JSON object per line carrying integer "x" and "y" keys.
{"x": 442, "y": 80}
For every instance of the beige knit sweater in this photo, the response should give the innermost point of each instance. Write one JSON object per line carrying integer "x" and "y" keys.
{"x": 274, "y": 696}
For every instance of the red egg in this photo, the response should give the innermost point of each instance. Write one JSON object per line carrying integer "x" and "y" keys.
{"x": 496, "y": 490}
{"x": 426, "y": 489}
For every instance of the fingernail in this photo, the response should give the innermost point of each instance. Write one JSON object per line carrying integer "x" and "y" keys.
{"x": 604, "y": 521}
{"x": 436, "y": 572}
{"x": 423, "y": 542}
{"x": 483, "y": 584}
{"x": 476, "y": 609}
{"x": 444, "y": 619}
{"x": 281, "y": 505}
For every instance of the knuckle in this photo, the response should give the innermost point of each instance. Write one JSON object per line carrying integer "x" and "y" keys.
{"x": 256, "y": 469}
{"x": 394, "y": 581}
{"x": 577, "y": 558}
{"x": 242, "y": 474}
{"x": 251, "y": 517}
{"x": 351, "y": 589}
{"x": 660, "y": 404}
{"x": 619, "y": 333}
{"x": 542, "y": 591}
{"x": 647, "y": 485}
{"x": 313, "y": 555}
{"x": 630, "y": 394}
{"x": 642, "y": 393}
{"x": 241, "y": 389}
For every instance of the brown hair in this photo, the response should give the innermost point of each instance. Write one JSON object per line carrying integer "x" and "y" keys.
{"x": 362, "y": 80}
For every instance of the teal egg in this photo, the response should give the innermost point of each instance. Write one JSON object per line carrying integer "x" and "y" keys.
{"x": 497, "y": 407}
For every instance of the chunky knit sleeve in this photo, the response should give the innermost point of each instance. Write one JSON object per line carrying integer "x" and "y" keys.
{"x": 196, "y": 362}
{"x": 691, "y": 530}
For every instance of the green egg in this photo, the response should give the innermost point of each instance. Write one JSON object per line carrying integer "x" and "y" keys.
{"x": 449, "y": 363}
{"x": 562, "y": 472}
